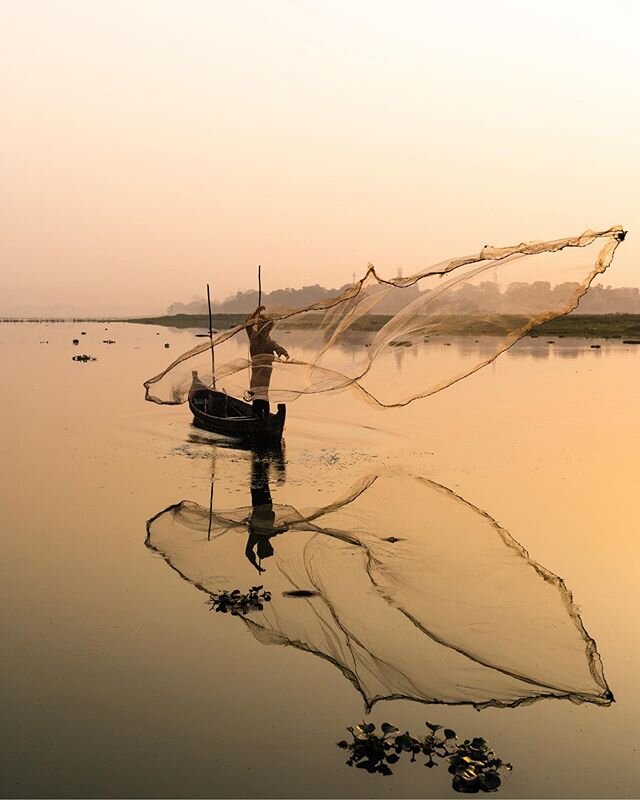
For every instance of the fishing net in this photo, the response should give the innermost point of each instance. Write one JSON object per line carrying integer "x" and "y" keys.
{"x": 501, "y": 293}
{"x": 405, "y": 587}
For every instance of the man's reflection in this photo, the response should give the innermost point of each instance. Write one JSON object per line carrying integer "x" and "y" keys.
{"x": 261, "y": 523}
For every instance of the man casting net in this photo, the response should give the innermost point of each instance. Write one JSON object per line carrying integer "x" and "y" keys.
{"x": 501, "y": 293}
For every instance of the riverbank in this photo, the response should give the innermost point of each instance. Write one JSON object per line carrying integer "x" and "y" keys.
{"x": 587, "y": 325}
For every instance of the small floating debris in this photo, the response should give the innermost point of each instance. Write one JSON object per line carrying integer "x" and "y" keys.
{"x": 392, "y": 539}
{"x": 84, "y": 358}
{"x": 166, "y": 344}
{"x": 595, "y": 346}
{"x": 300, "y": 593}
{"x": 108, "y": 341}
{"x": 447, "y": 344}
{"x": 83, "y": 333}
{"x": 238, "y": 603}
{"x": 400, "y": 343}
{"x": 551, "y": 341}
{"x": 533, "y": 335}
{"x": 631, "y": 341}
{"x": 44, "y": 341}
{"x": 76, "y": 341}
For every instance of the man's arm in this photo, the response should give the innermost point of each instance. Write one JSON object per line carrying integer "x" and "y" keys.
{"x": 278, "y": 349}
{"x": 248, "y": 551}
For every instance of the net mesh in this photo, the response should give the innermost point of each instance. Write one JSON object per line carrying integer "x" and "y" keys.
{"x": 501, "y": 293}
{"x": 408, "y": 589}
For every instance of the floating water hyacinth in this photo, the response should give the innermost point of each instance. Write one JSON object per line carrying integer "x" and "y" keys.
{"x": 473, "y": 764}
{"x": 239, "y": 603}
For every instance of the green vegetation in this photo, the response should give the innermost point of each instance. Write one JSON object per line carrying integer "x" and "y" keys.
{"x": 220, "y": 321}
{"x": 588, "y": 325}
{"x": 600, "y": 325}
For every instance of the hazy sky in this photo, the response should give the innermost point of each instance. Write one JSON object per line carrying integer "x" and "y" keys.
{"x": 149, "y": 146}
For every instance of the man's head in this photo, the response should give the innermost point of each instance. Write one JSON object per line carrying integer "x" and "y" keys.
{"x": 264, "y": 326}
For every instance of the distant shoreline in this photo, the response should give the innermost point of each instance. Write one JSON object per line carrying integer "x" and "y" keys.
{"x": 584, "y": 325}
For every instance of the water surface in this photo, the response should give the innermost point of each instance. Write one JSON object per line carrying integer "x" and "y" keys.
{"x": 119, "y": 681}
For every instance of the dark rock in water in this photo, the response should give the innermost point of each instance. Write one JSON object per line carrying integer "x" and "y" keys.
{"x": 300, "y": 593}
{"x": 595, "y": 346}
{"x": 392, "y": 539}
{"x": 550, "y": 341}
{"x": 166, "y": 344}
{"x": 631, "y": 341}
{"x": 83, "y": 333}
{"x": 76, "y": 341}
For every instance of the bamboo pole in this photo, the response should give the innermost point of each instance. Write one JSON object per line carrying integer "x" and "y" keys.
{"x": 210, "y": 509}
{"x": 213, "y": 361}
{"x": 259, "y": 285}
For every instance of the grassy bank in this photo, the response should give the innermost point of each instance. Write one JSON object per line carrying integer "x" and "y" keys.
{"x": 588, "y": 325}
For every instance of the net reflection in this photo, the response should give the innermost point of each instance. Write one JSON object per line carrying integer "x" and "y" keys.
{"x": 409, "y": 590}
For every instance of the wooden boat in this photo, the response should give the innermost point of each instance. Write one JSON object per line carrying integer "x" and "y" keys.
{"x": 220, "y": 413}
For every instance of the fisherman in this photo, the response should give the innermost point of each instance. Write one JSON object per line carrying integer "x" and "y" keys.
{"x": 262, "y": 348}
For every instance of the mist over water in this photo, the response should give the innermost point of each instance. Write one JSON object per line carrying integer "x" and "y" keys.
{"x": 123, "y": 683}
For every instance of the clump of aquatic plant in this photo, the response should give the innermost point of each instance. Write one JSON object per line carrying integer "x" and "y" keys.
{"x": 84, "y": 357}
{"x": 239, "y": 603}
{"x": 474, "y": 766}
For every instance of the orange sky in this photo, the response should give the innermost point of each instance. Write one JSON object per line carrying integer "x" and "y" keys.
{"x": 151, "y": 146}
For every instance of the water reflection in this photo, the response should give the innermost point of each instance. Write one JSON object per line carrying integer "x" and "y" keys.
{"x": 261, "y": 523}
{"x": 408, "y": 589}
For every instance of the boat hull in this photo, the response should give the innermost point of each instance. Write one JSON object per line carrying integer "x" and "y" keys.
{"x": 217, "y": 412}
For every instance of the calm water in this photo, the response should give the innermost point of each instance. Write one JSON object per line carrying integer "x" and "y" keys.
{"x": 118, "y": 680}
